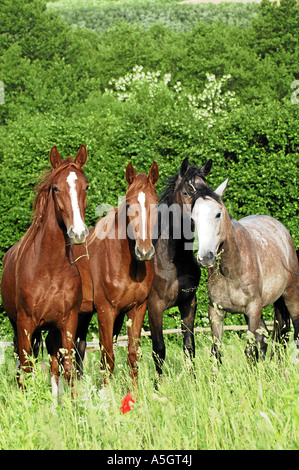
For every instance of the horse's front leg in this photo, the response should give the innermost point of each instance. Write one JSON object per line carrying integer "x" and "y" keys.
{"x": 68, "y": 335}
{"x": 134, "y": 325}
{"x": 216, "y": 316}
{"x": 255, "y": 327}
{"x": 156, "y": 307}
{"x": 53, "y": 344}
{"x": 84, "y": 319}
{"x": 25, "y": 330}
{"x": 188, "y": 310}
{"x": 106, "y": 318}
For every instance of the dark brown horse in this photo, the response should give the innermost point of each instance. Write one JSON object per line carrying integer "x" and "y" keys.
{"x": 40, "y": 285}
{"x": 252, "y": 263}
{"x": 117, "y": 275}
{"x": 177, "y": 273}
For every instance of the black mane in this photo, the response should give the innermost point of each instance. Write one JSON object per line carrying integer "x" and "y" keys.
{"x": 167, "y": 193}
{"x": 204, "y": 191}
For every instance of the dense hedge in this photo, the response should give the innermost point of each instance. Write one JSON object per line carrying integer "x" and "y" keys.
{"x": 145, "y": 13}
{"x": 55, "y": 79}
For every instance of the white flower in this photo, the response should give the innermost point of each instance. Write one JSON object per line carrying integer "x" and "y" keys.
{"x": 210, "y": 102}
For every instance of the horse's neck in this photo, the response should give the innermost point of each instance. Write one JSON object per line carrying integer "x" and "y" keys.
{"x": 51, "y": 241}
{"x": 120, "y": 239}
{"x": 230, "y": 264}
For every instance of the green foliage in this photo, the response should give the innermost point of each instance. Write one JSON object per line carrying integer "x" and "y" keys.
{"x": 147, "y": 13}
{"x": 275, "y": 32}
{"x": 55, "y": 79}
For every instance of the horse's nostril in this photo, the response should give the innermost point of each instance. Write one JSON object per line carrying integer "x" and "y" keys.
{"x": 206, "y": 259}
{"x": 77, "y": 238}
{"x": 71, "y": 233}
{"x": 143, "y": 255}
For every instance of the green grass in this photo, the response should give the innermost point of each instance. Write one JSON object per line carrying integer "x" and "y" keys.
{"x": 233, "y": 407}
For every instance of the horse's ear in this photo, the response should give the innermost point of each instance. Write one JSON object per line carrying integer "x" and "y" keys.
{"x": 184, "y": 167}
{"x": 81, "y": 156}
{"x": 154, "y": 173}
{"x": 205, "y": 170}
{"x": 221, "y": 189}
{"x": 130, "y": 173}
{"x": 55, "y": 157}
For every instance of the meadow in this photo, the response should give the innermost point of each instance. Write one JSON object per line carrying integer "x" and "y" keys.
{"x": 233, "y": 406}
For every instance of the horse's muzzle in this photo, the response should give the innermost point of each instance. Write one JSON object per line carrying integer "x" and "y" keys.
{"x": 77, "y": 238}
{"x": 143, "y": 255}
{"x": 208, "y": 260}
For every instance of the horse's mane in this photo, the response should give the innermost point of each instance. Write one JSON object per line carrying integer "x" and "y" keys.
{"x": 41, "y": 199}
{"x": 204, "y": 191}
{"x": 167, "y": 193}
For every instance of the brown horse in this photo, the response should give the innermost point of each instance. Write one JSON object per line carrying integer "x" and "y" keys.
{"x": 118, "y": 275}
{"x": 252, "y": 263}
{"x": 40, "y": 285}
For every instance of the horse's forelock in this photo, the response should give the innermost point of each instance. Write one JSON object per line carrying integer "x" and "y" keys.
{"x": 169, "y": 190}
{"x": 204, "y": 191}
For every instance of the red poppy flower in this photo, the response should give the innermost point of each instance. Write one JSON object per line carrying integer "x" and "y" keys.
{"x": 127, "y": 404}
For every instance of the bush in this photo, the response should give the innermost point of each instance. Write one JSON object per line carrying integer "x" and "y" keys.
{"x": 146, "y": 14}
{"x": 55, "y": 95}
{"x": 44, "y": 64}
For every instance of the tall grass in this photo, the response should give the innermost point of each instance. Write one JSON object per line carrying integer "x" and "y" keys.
{"x": 233, "y": 406}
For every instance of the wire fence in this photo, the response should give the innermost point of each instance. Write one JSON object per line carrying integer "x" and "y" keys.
{"x": 123, "y": 340}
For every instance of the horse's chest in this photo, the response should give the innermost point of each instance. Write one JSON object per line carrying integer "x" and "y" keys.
{"x": 51, "y": 294}
{"x": 125, "y": 290}
{"x": 228, "y": 294}
{"x": 136, "y": 294}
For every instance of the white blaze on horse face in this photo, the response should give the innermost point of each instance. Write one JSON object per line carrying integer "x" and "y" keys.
{"x": 141, "y": 200}
{"x": 78, "y": 224}
{"x": 207, "y": 214}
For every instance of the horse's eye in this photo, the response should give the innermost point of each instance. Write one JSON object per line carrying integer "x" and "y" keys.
{"x": 87, "y": 188}
{"x": 217, "y": 216}
{"x": 55, "y": 189}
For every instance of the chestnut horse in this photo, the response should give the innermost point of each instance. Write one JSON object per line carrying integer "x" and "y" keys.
{"x": 177, "y": 273}
{"x": 40, "y": 285}
{"x": 252, "y": 263}
{"x": 118, "y": 275}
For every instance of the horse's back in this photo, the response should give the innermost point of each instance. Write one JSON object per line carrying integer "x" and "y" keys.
{"x": 275, "y": 251}
{"x": 11, "y": 252}
{"x": 267, "y": 232}
{"x": 8, "y": 281}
